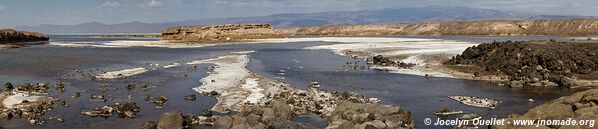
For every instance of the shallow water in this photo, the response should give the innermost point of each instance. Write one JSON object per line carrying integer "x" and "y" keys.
{"x": 417, "y": 94}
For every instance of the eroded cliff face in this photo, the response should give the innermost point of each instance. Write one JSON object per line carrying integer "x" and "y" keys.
{"x": 567, "y": 27}
{"x": 8, "y": 36}
{"x": 216, "y": 33}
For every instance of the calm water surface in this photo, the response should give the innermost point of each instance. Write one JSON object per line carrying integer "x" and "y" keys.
{"x": 417, "y": 94}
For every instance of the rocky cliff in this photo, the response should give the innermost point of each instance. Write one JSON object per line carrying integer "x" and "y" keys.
{"x": 565, "y": 27}
{"x": 13, "y": 36}
{"x": 216, "y": 33}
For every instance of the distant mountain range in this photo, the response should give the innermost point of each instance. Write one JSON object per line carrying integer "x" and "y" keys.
{"x": 290, "y": 20}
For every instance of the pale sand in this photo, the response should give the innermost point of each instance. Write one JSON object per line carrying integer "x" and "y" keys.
{"x": 121, "y": 73}
{"x": 172, "y": 65}
{"x": 12, "y": 100}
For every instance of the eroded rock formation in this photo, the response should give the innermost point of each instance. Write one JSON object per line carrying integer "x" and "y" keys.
{"x": 216, "y": 33}
{"x": 578, "y": 27}
{"x": 14, "y": 36}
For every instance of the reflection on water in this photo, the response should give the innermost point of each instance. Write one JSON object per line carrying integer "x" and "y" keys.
{"x": 417, "y": 94}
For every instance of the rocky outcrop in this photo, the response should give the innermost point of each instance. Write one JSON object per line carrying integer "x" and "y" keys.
{"x": 534, "y": 63}
{"x": 348, "y": 115}
{"x": 577, "y": 27}
{"x": 219, "y": 33}
{"x": 580, "y": 106}
{"x": 14, "y": 36}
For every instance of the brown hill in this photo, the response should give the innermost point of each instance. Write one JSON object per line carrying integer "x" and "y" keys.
{"x": 564, "y": 27}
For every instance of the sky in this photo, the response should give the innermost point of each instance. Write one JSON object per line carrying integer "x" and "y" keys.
{"x": 69, "y": 12}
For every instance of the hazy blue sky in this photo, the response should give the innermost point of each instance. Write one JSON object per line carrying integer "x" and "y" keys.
{"x": 35, "y": 12}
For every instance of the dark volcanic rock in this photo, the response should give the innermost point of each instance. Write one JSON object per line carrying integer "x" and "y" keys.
{"x": 13, "y": 36}
{"x": 534, "y": 61}
{"x": 384, "y": 61}
{"x": 190, "y": 97}
{"x": 9, "y": 86}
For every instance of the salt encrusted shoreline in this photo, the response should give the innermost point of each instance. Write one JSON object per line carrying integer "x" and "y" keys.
{"x": 121, "y": 73}
{"x": 238, "y": 89}
{"x": 427, "y": 54}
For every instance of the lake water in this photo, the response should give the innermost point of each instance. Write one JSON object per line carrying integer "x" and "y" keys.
{"x": 421, "y": 96}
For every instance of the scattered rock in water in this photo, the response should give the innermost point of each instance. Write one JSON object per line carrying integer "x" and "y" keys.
{"x": 149, "y": 125}
{"x": 25, "y": 101}
{"x": 207, "y": 113}
{"x": 77, "y": 94}
{"x": 190, "y": 97}
{"x": 214, "y": 93}
{"x": 36, "y": 121}
{"x": 476, "y": 102}
{"x": 63, "y": 103}
{"x": 447, "y": 112}
{"x": 515, "y": 84}
{"x": 59, "y": 87}
{"x": 127, "y": 110}
{"x": 470, "y": 117}
{"x": 383, "y": 61}
{"x": 373, "y": 100}
{"x": 131, "y": 86}
{"x": 57, "y": 118}
{"x": 98, "y": 97}
{"x": 9, "y": 86}
{"x": 158, "y": 101}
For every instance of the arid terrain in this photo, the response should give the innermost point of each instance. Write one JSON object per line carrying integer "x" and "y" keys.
{"x": 567, "y": 27}
{"x": 223, "y": 60}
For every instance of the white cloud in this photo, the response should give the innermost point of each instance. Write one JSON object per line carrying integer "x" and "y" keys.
{"x": 2, "y": 7}
{"x": 154, "y": 3}
{"x": 111, "y": 4}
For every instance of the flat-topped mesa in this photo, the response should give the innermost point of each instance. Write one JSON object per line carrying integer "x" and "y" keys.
{"x": 219, "y": 33}
{"x": 14, "y": 36}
